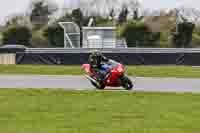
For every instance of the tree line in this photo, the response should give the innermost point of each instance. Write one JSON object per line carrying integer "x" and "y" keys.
{"x": 40, "y": 29}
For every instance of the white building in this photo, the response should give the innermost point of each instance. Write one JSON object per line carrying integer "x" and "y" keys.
{"x": 101, "y": 37}
{"x": 93, "y": 37}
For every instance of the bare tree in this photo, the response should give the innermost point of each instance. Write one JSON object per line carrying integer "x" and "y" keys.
{"x": 104, "y": 7}
{"x": 123, "y": 15}
{"x": 134, "y": 8}
{"x": 18, "y": 19}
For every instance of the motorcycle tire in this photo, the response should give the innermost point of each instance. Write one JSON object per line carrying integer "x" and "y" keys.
{"x": 126, "y": 83}
{"x": 99, "y": 86}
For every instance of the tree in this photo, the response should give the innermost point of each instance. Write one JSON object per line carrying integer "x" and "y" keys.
{"x": 40, "y": 12}
{"x": 38, "y": 40}
{"x": 102, "y": 7}
{"x": 138, "y": 34}
{"x": 111, "y": 14}
{"x": 183, "y": 36}
{"x": 196, "y": 37}
{"x": 18, "y": 19}
{"x": 77, "y": 16}
{"x": 54, "y": 35}
{"x": 123, "y": 16}
{"x": 134, "y": 7}
{"x": 17, "y": 35}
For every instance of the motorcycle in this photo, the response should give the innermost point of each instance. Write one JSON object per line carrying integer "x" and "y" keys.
{"x": 115, "y": 78}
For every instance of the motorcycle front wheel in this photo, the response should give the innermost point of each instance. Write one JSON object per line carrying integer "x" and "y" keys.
{"x": 126, "y": 83}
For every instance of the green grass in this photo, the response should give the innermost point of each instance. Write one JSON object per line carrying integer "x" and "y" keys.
{"x": 165, "y": 71}
{"x": 58, "y": 111}
{"x": 143, "y": 71}
{"x": 40, "y": 69}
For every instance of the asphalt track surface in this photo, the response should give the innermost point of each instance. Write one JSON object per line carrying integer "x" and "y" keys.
{"x": 81, "y": 83}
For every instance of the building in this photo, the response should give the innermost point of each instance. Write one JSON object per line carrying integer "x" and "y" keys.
{"x": 101, "y": 37}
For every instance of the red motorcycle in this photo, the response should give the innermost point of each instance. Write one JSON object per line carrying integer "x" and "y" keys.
{"x": 115, "y": 78}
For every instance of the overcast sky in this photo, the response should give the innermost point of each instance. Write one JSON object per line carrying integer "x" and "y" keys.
{"x": 9, "y": 7}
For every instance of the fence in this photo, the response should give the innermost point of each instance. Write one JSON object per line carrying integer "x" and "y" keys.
{"x": 130, "y": 56}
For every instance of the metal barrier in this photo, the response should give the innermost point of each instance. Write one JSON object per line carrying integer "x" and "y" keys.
{"x": 129, "y": 56}
{"x": 115, "y": 50}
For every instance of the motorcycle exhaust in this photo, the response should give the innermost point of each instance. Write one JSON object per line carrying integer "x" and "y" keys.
{"x": 89, "y": 78}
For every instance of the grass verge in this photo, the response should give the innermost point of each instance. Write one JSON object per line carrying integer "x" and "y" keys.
{"x": 143, "y": 71}
{"x": 50, "y": 111}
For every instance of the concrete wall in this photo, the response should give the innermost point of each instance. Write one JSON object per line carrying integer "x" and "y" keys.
{"x": 7, "y": 59}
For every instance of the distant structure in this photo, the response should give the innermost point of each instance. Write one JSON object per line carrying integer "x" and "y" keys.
{"x": 102, "y": 37}
{"x": 92, "y": 37}
{"x": 71, "y": 34}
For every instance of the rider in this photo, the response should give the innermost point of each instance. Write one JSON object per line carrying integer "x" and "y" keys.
{"x": 99, "y": 63}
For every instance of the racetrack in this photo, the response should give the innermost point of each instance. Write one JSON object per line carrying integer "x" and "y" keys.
{"x": 81, "y": 83}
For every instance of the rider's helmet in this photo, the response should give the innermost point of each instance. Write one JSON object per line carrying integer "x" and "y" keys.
{"x": 96, "y": 58}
